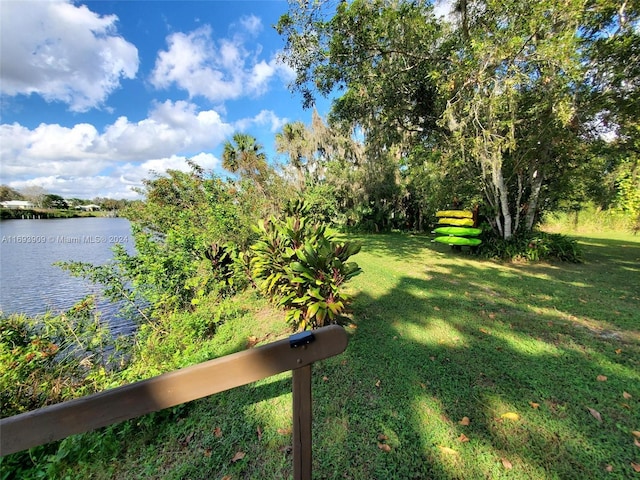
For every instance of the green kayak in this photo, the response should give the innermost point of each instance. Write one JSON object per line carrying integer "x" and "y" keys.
{"x": 459, "y": 231}
{"x": 451, "y": 240}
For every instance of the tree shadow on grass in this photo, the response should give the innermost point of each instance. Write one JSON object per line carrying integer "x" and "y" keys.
{"x": 481, "y": 340}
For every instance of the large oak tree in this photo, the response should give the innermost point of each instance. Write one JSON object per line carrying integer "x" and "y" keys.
{"x": 501, "y": 92}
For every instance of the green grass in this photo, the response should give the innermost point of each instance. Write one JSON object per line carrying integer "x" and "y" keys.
{"x": 436, "y": 336}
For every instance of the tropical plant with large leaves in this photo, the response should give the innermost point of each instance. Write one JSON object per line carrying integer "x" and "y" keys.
{"x": 303, "y": 268}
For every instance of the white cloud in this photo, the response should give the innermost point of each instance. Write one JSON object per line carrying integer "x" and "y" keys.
{"x": 62, "y": 52}
{"x": 80, "y": 186}
{"x": 251, "y": 24}
{"x": 80, "y": 158}
{"x": 217, "y": 70}
{"x": 170, "y": 127}
{"x": 119, "y": 182}
{"x": 132, "y": 173}
{"x": 264, "y": 118}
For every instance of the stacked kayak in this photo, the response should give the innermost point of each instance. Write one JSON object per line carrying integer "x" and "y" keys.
{"x": 457, "y": 228}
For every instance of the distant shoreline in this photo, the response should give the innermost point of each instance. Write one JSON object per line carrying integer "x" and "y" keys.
{"x": 43, "y": 214}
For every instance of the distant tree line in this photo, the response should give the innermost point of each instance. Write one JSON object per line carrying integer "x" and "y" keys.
{"x": 42, "y": 199}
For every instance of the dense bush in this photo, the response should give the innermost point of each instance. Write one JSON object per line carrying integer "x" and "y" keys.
{"x": 53, "y": 358}
{"x": 188, "y": 233}
{"x": 532, "y": 246}
{"x": 303, "y": 269}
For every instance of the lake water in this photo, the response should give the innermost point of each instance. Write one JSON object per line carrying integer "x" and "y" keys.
{"x": 31, "y": 284}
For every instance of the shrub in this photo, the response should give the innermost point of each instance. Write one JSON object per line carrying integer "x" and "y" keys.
{"x": 53, "y": 358}
{"x": 303, "y": 269}
{"x": 532, "y": 246}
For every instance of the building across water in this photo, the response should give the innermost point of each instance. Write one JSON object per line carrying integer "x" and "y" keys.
{"x": 17, "y": 205}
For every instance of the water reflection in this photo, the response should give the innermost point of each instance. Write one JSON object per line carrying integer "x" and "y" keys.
{"x": 31, "y": 284}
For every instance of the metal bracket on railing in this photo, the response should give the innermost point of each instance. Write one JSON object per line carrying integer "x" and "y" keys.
{"x": 302, "y": 338}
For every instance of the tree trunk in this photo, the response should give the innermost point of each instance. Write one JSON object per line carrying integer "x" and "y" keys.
{"x": 536, "y": 186}
{"x": 518, "y": 203}
{"x": 498, "y": 179}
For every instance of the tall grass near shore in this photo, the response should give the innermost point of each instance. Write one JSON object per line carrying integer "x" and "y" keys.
{"x": 589, "y": 220}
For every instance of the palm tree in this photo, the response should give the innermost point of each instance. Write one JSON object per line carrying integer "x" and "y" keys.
{"x": 245, "y": 157}
{"x": 293, "y": 140}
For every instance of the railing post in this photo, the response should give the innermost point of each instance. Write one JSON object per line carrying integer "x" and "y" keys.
{"x": 302, "y": 423}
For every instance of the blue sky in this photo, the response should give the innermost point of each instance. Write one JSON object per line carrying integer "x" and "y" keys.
{"x": 95, "y": 95}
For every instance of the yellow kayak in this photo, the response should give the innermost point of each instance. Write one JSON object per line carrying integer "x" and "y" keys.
{"x": 458, "y": 222}
{"x": 455, "y": 213}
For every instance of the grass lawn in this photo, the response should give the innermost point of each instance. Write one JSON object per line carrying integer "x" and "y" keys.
{"x": 456, "y": 368}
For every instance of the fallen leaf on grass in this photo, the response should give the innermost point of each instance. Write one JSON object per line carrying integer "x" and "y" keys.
{"x": 636, "y": 442}
{"x": 534, "y": 405}
{"x": 384, "y": 447}
{"x": 635, "y": 433}
{"x": 207, "y": 452}
{"x": 217, "y": 432}
{"x": 492, "y": 316}
{"x": 636, "y": 466}
{"x": 382, "y": 437}
{"x": 378, "y": 383}
{"x": 618, "y": 351}
{"x": 506, "y": 463}
{"x": 609, "y": 468}
{"x": 259, "y": 432}
{"x": 595, "y": 414}
{"x": 463, "y": 438}
{"x": 436, "y": 308}
{"x": 447, "y": 450}
{"x": 284, "y": 431}
{"x": 227, "y": 477}
{"x": 465, "y": 421}
{"x": 187, "y": 440}
{"x": 626, "y": 395}
{"x": 252, "y": 341}
{"x": 238, "y": 456}
{"x": 325, "y": 378}
{"x": 484, "y": 330}
{"x": 601, "y": 378}
{"x": 510, "y": 416}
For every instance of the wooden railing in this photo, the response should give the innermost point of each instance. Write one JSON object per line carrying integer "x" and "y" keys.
{"x": 296, "y": 353}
